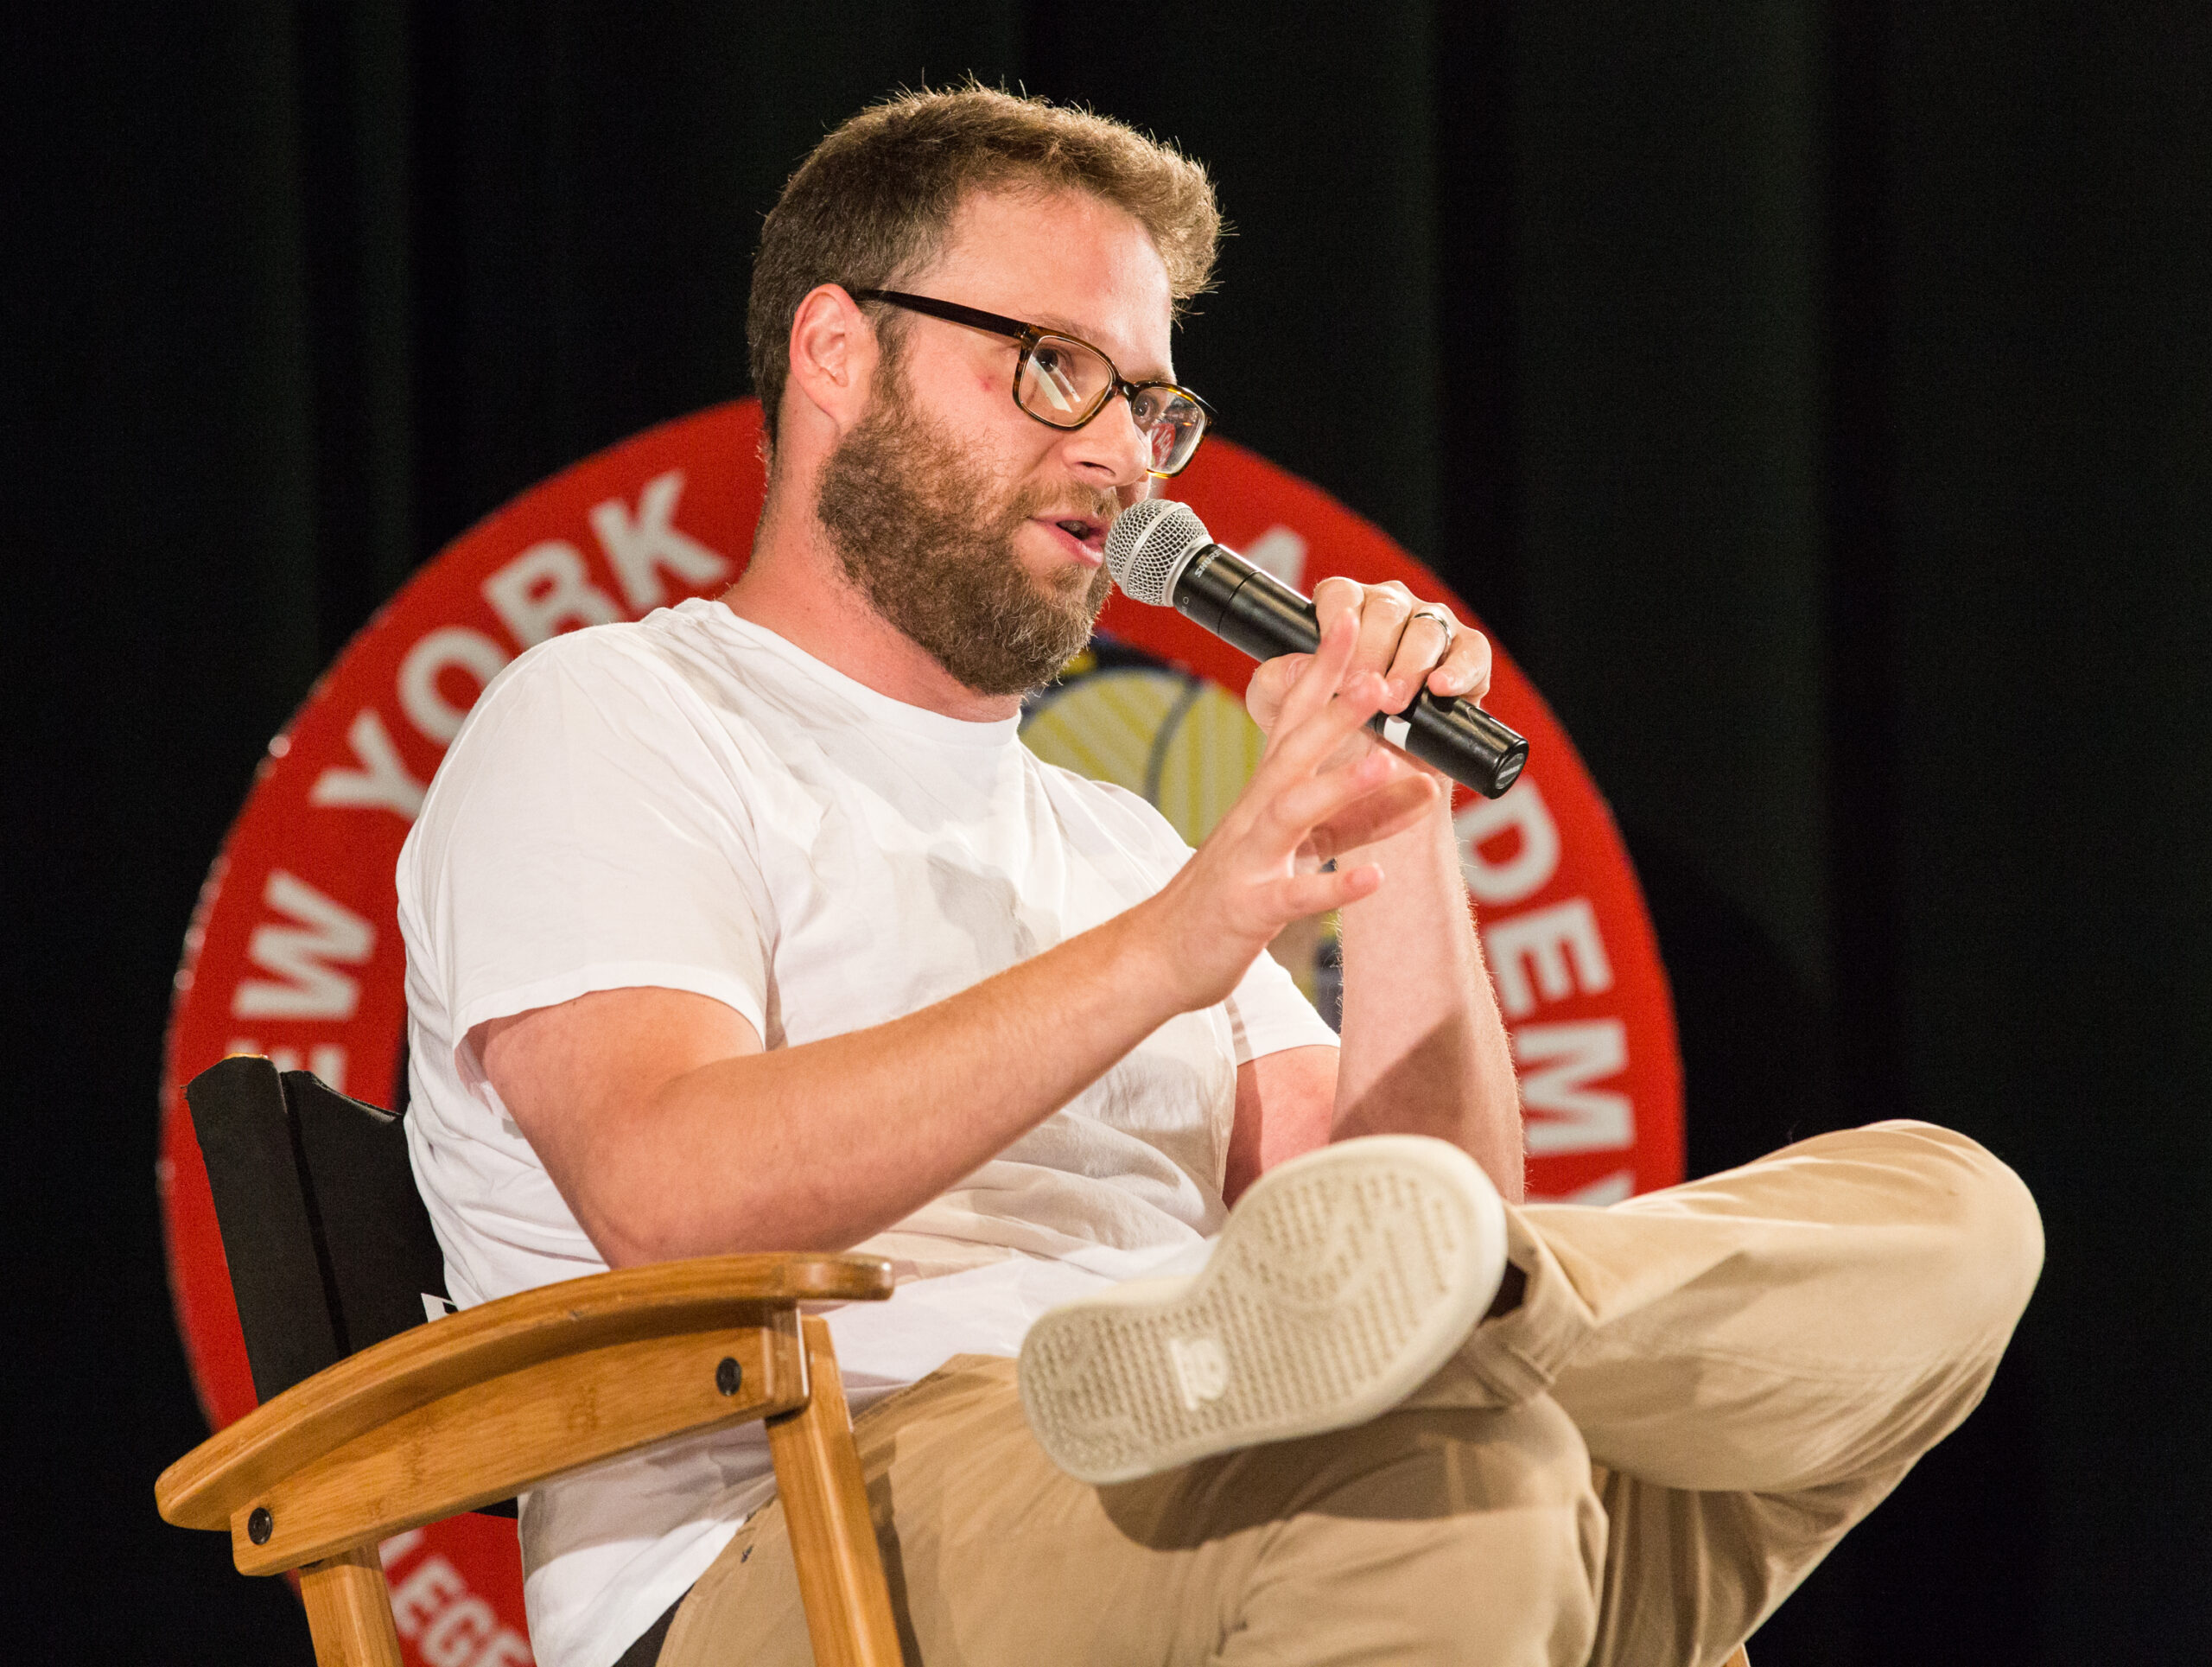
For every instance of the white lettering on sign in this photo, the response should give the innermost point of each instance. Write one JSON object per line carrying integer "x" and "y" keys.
{"x": 422, "y": 1594}
{"x": 1557, "y": 1064}
{"x": 452, "y": 647}
{"x": 638, "y": 548}
{"x": 400, "y": 1547}
{"x": 508, "y": 1648}
{"x": 307, "y": 986}
{"x": 326, "y": 1060}
{"x": 544, "y": 591}
{"x": 1546, "y": 942}
{"x": 378, "y": 780}
{"x": 1528, "y": 865}
{"x": 461, "y": 1628}
{"x": 1280, "y": 551}
{"x": 434, "y": 1609}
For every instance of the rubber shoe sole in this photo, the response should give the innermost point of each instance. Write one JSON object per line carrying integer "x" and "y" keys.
{"x": 1341, "y": 1281}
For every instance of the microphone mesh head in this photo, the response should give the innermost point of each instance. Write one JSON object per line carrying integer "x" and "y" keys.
{"x": 1148, "y": 546}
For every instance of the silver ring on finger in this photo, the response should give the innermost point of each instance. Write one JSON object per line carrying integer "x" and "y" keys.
{"x": 1451, "y": 628}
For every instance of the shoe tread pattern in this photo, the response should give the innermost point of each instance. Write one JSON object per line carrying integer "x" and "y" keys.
{"x": 1314, "y": 1297}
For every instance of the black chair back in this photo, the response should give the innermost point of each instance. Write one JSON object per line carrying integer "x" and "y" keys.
{"x": 329, "y": 1247}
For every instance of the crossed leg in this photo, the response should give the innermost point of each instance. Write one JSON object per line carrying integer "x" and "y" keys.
{"x": 1700, "y": 1391}
{"x": 1756, "y": 1358}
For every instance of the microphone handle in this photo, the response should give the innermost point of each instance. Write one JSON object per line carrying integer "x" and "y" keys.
{"x": 1251, "y": 609}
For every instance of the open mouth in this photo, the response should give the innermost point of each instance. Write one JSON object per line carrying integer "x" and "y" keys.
{"x": 1087, "y": 532}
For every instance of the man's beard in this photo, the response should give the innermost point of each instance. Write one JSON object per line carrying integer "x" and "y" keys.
{"x": 912, "y": 520}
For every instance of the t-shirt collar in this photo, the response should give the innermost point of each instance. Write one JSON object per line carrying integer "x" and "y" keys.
{"x": 879, "y": 708}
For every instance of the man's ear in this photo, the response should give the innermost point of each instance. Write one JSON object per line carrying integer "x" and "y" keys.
{"x": 833, "y": 357}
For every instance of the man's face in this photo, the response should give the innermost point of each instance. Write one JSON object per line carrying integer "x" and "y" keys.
{"x": 976, "y": 531}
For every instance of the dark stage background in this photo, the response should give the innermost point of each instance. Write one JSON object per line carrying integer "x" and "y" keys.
{"x": 1816, "y": 397}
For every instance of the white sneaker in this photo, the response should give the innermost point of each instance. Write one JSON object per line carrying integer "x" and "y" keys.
{"x": 1341, "y": 1281}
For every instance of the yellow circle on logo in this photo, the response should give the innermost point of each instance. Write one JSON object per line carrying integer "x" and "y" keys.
{"x": 1188, "y": 747}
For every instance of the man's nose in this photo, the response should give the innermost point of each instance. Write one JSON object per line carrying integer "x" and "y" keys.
{"x": 1111, "y": 446}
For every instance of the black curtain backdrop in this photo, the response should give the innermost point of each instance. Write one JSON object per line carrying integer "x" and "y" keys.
{"x": 1816, "y": 396}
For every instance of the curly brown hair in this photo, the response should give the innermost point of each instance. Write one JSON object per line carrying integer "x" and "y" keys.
{"x": 873, "y": 203}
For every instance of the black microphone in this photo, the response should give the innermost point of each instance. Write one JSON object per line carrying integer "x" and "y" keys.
{"x": 1160, "y": 552}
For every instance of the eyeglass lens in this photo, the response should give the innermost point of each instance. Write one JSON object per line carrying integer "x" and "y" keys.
{"x": 1064, "y": 382}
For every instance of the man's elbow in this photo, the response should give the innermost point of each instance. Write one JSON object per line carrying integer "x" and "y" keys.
{"x": 628, "y": 1232}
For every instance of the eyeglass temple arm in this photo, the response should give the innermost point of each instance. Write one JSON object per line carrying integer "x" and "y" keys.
{"x": 952, "y": 311}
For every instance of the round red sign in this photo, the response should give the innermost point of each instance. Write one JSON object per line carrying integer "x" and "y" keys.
{"x": 294, "y": 951}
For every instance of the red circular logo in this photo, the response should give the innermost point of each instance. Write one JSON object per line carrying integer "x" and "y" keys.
{"x": 294, "y": 951}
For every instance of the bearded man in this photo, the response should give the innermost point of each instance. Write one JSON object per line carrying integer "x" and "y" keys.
{"x": 752, "y": 925}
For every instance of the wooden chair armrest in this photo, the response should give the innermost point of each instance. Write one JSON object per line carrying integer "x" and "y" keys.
{"x": 475, "y": 1407}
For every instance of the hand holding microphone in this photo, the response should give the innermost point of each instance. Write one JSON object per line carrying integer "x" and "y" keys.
{"x": 1160, "y": 552}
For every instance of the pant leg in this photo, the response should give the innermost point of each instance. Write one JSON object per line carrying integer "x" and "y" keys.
{"x": 1756, "y": 1358}
{"x": 1466, "y": 1536}
{"x": 1751, "y": 1361}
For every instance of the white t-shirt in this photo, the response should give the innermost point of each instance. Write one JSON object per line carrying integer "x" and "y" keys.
{"x": 691, "y": 802}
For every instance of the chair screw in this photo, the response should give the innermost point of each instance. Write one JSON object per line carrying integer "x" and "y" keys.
{"x": 728, "y": 1375}
{"x": 260, "y": 1526}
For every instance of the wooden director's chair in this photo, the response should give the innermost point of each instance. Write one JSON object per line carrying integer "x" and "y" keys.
{"x": 372, "y": 1421}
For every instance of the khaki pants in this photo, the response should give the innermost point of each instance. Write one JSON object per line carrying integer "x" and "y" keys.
{"x": 1701, "y": 1389}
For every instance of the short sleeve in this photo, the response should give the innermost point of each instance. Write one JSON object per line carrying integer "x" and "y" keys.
{"x": 1268, "y": 1013}
{"x": 588, "y": 831}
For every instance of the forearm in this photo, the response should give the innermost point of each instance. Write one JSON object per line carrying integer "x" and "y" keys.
{"x": 819, "y": 1146}
{"x": 1425, "y": 1050}
{"x": 669, "y": 1132}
